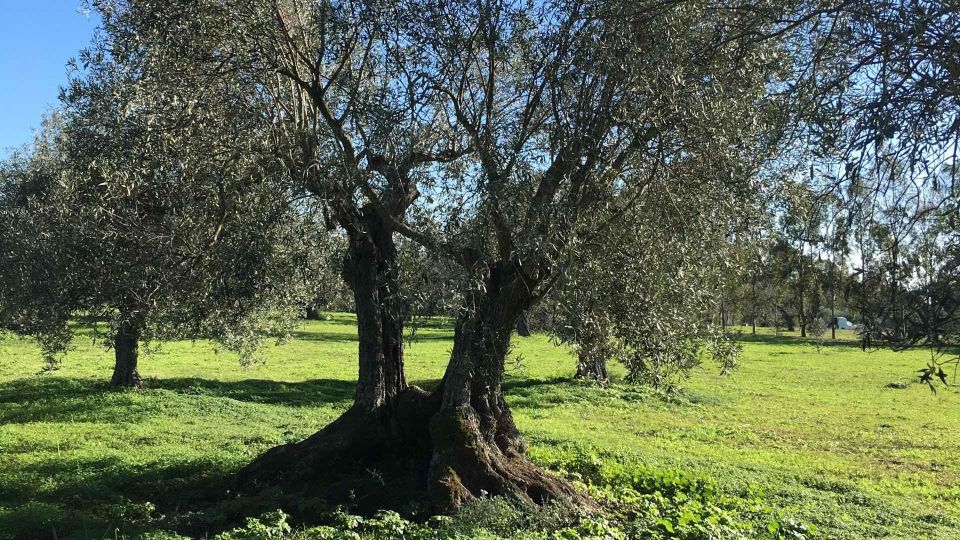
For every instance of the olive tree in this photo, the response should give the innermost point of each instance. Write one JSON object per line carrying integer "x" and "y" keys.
{"x": 646, "y": 293}
{"x": 158, "y": 229}
{"x": 504, "y": 137}
{"x": 341, "y": 106}
{"x": 570, "y": 115}
{"x": 571, "y": 112}
{"x": 37, "y": 247}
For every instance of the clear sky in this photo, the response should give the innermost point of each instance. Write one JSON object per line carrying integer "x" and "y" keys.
{"x": 37, "y": 37}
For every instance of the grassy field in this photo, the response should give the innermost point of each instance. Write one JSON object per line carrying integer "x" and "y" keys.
{"x": 819, "y": 438}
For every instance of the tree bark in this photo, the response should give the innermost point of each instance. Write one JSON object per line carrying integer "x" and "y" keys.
{"x": 370, "y": 269}
{"x": 126, "y": 341}
{"x": 477, "y": 448}
{"x": 376, "y": 454}
{"x": 445, "y": 448}
{"x": 367, "y": 459}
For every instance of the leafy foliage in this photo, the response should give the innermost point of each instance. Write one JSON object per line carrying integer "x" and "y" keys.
{"x": 177, "y": 228}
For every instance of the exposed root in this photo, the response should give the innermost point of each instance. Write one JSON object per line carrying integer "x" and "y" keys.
{"x": 470, "y": 466}
{"x": 413, "y": 452}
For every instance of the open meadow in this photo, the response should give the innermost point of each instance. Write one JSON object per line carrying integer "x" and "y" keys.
{"x": 180, "y": 178}
{"x": 823, "y": 444}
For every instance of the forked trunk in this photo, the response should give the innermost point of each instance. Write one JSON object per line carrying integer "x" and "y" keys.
{"x": 126, "y": 343}
{"x": 448, "y": 447}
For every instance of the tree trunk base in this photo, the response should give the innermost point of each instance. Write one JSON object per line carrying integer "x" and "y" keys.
{"x": 126, "y": 379}
{"x": 470, "y": 466}
{"x": 594, "y": 371}
{"x": 387, "y": 459}
{"x": 367, "y": 460}
{"x": 126, "y": 343}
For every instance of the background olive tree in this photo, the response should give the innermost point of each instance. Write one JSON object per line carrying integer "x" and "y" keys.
{"x": 160, "y": 227}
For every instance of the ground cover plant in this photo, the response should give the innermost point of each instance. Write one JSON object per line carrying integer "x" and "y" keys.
{"x": 836, "y": 444}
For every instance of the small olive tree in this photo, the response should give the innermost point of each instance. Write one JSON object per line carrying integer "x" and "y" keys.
{"x": 162, "y": 229}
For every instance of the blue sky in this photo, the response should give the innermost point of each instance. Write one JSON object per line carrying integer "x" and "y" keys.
{"x": 37, "y": 37}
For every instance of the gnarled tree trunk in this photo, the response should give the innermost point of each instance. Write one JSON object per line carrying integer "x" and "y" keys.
{"x": 477, "y": 449}
{"x": 126, "y": 341}
{"x": 448, "y": 447}
{"x": 370, "y": 269}
{"x": 370, "y": 455}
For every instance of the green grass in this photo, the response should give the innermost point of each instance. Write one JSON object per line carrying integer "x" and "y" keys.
{"x": 819, "y": 436}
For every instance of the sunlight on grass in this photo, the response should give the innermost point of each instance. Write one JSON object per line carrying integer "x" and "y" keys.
{"x": 820, "y": 434}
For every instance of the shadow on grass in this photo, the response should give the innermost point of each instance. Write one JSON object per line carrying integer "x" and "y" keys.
{"x": 89, "y": 491}
{"x": 94, "y": 498}
{"x": 422, "y": 336}
{"x": 318, "y": 336}
{"x": 45, "y": 398}
{"x": 844, "y": 344}
{"x": 293, "y": 394}
{"x": 62, "y": 399}
{"x": 517, "y": 384}
{"x": 794, "y": 340}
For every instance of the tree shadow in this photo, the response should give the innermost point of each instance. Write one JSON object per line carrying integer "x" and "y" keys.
{"x": 514, "y": 384}
{"x": 337, "y": 337}
{"x": 308, "y": 393}
{"x": 339, "y": 319}
{"x": 45, "y": 398}
{"x": 437, "y": 323}
{"x": 91, "y": 491}
{"x": 795, "y": 340}
{"x": 319, "y": 336}
{"x": 191, "y": 497}
{"x": 421, "y": 336}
